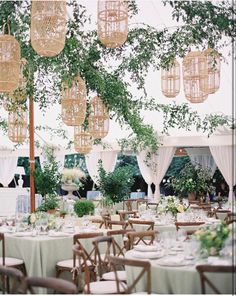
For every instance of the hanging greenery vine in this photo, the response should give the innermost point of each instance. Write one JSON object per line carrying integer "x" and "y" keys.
{"x": 146, "y": 47}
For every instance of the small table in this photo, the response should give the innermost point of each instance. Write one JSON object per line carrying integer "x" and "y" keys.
{"x": 137, "y": 195}
{"x": 93, "y": 194}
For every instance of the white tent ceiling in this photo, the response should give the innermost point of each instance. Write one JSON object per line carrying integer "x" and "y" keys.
{"x": 154, "y": 13}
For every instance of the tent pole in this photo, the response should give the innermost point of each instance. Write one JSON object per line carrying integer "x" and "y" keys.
{"x": 32, "y": 155}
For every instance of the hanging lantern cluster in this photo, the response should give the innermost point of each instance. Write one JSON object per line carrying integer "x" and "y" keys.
{"x": 73, "y": 102}
{"x": 48, "y": 26}
{"x": 83, "y": 141}
{"x": 17, "y": 125}
{"x": 170, "y": 80}
{"x": 9, "y": 61}
{"x": 195, "y": 77}
{"x": 98, "y": 118}
{"x": 112, "y": 22}
{"x": 213, "y": 70}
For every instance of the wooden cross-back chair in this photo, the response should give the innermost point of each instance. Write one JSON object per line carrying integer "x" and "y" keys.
{"x": 125, "y": 215}
{"x": 120, "y": 240}
{"x": 230, "y": 218}
{"x": 203, "y": 269}
{"x": 128, "y": 204}
{"x": 69, "y": 265}
{"x": 59, "y": 286}
{"x": 146, "y": 225}
{"x": 116, "y": 224}
{"x": 186, "y": 225}
{"x": 145, "y": 270}
{"x": 143, "y": 237}
{"x": 12, "y": 280}
{"x": 90, "y": 286}
{"x": 10, "y": 261}
{"x": 152, "y": 205}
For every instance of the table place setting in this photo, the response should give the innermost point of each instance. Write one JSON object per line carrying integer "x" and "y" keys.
{"x": 53, "y": 233}
{"x": 173, "y": 261}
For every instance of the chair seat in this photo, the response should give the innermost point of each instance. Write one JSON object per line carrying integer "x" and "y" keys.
{"x": 9, "y": 261}
{"x": 68, "y": 263}
{"x": 106, "y": 287}
{"x": 110, "y": 276}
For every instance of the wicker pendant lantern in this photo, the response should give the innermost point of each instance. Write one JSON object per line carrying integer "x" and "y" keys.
{"x": 48, "y": 26}
{"x": 112, "y": 22}
{"x": 213, "y": 70}
{"x": 170, "y": 80}
{"x": 73, "y": 103}
{"x": 98, "y": 118}
{"x": 9, "y": 62}
{"x": 17, "y": 125}
{"x": 82, "y": 140}
{"x": 195, "y": 77}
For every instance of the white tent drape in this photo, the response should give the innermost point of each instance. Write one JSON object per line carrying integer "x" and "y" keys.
{"x": 224, "y": 157}
{"x": 145, "y": 171}
{"x": 8, "y": 167}
{"x": 203, "y": 157}
{"x": 162, "y": 159}
{"x": 108, "y": 160}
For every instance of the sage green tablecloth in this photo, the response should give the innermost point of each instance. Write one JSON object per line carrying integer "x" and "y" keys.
{"x": 178, "y": 280}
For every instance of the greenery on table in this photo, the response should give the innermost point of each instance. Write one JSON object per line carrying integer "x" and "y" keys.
{"x": 49, "y": 203}
{"x": 84, "y": 207}
{"x": 212, "y": 238}
{"x": 204, "y": 24}
{"x": 115, "y": 186}
{"x": 192, "y": 179}
{"x": 174, "y": 205}
{"x": 47, "y": 178}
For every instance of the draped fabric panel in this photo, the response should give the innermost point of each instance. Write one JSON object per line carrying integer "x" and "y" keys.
{"x": 146, "y": 172}
{"x": 202, "y": 156}
{"x": 8, "y": 167}
{"x": 224, "y": 157}
{"x": 163, "y": 159}
{"x": 108, "y": 158}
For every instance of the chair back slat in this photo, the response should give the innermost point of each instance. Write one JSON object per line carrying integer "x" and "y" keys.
{"x": 149, "y": 224}
{"x": 12, "y": 280}
{"x": 145, "y": 270}
{"x": 203, "y": 269}
{"x": 137, "y": 237}
{"x": 2, "y": 240}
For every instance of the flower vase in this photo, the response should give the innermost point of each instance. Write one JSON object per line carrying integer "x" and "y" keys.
{"x": 70, "y": 188}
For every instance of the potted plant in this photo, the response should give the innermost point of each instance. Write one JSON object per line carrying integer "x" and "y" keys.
{"x": 193, "y": 180}
{"x": 115, "y": 186}
{"x": 50, "y": 204}
{"x": 84, "y": 207}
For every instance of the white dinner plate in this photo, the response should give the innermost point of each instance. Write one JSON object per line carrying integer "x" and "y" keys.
{"x": 172, "y": 262}
{"x": 143, "y": 248}
{"x": 147, "y": 255}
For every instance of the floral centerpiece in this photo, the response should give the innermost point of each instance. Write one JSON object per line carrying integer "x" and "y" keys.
{"x": 72, "y": 180}
{"x": 173, "y": 205}
{"x": 212, "y": 238}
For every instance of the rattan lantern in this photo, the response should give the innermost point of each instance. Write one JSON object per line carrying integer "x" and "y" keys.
{"x": 98, "y": 118}
{"x": 83, "y": 141}
{"x": 170, "y": 80}
{"x": 213, "y": 70}
{"x": 73, "y": 103}
{"x": 48, "y": 26}
{"x": 17, "y": 125}
{"x": 112, "y": 22}
{"x": 195, "y": 77}
{"x": 9, "y": 62}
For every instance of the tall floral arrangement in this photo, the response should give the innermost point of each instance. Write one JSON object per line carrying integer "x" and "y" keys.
{"x": 72, "y": 176}
{"x": 172, "y": 205}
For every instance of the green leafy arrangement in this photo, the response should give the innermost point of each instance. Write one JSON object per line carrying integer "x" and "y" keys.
{"x": 192, "y": 179}
{"x": 204, "y": 24}
{"x": 49, "y": 203}
{"x": 47, "y": 178}
{"x": 115, "y": 186}
{"x": 212, "y": 238}
{"x": 84, "y": 207}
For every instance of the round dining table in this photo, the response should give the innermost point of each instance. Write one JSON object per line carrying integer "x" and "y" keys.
{"x": 172, "y": 274}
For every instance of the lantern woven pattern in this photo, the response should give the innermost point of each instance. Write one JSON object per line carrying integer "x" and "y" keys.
{"x": 98, "y": 118}
{"x": 170, "y": 80}
{"x": 9, "y": 63}
{"x": 195, "y": 77}
{"x": 213, "y": 70}
{"x": 112, "y": 22}
{"x": 17, "y": 125}
{"x": 48, "y": 27}
{"x": 73, "y": 103}
{"x": 82, "y": 140}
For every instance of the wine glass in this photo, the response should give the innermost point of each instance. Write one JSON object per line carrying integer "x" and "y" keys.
{"x": 44, "y": 224}
{"x": 181, "y": 235}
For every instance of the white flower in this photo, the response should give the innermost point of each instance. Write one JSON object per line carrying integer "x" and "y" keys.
{"x": 32, "y": 218}
{"x": 72, "y": 175}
